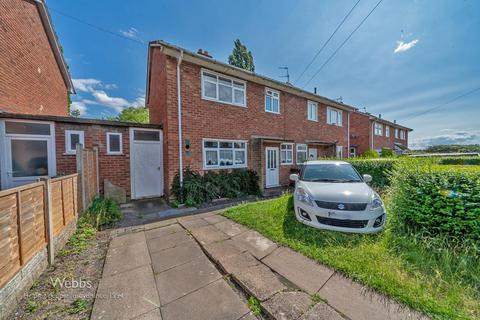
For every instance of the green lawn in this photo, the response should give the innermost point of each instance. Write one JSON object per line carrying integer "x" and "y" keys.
{"x": 423, "y": 275}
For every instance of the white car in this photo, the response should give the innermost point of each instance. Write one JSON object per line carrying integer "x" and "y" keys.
{"x": 332, "y": 195}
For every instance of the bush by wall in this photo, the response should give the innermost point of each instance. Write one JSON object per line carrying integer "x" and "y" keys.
{"x": 387, "y": 153}
{"x": 370, "y": 153}
{"x": 379, "y": 169}
{"x": 436, "y": 200}
{"x": 465, "y": 161}
{"x": 199, "y": 188}
{"x": 103, "y": 213}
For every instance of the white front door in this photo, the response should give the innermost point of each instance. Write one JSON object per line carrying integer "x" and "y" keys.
{"x": 146, "y": 163}
{"x": 312, "y": 154}
{"x": 272, "y": 173}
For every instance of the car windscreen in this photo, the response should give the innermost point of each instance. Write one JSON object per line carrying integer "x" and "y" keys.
{"x": 330, "y": 172}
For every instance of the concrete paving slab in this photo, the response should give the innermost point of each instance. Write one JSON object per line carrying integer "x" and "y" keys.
{"x": 216, "y": 301}
{"x": 255, "y": 243}
{"x": 192, "y": 224}
{"x": 322, "y": 311}
{"x": 169, "y": 258}
{"x": 287, "y": 305}
{"x": 151, "y": 315}
{"x": 215, "y": 219}
{"x": 356, "y": 303}
{"x": 160, "y": 224}
{"x": 126, "y": 258}
{"x": 196, "y": 216}
{"x": 126, "y": 295}
{"x": 230, "y": 228}
{"x": 127, "y": 239}
{"x": 249, "y": 316}
{"x": 181, "y": 280}
{"x": 259, "y": 281}
{"x": 208, "y": 234}
{"x": 236, "y": 263}
{"x": 222, "y": 249}
{"x": 163, "y": 231}
{"x": 298, "y": 269}
{"x": 168, "y": 241}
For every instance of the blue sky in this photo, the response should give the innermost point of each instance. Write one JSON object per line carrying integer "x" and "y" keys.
{"x": 408, "y": 57}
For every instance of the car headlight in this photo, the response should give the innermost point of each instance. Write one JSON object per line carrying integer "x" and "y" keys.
{"x": 302, "y": 196}
{"x": 376, "y": 201}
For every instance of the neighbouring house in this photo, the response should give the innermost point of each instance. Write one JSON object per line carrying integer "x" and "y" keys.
{"x": 217, "y": 116}
{"x": 34, "y": 77}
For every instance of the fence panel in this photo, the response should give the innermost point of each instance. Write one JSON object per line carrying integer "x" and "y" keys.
{"x": 87, "y": 168}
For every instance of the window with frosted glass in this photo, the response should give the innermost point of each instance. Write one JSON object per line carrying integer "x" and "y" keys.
{"x": 29, "y": 158}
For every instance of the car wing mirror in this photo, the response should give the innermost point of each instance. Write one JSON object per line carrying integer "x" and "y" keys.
{"x": 294, "y": 177}
{"x": 367, "y": 178}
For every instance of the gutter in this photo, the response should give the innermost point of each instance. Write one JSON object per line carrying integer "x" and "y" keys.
{"x": 52, "y": 38}
{"x": 179, "y": 100}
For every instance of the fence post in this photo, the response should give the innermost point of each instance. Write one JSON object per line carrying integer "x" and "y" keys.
{"x": 96, "y": 170}
{"x": 81, "y": 173}
{"x": 49, "y": 222}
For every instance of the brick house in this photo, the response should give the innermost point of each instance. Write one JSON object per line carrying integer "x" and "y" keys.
{"x": 34, "y": 78}
{"x": 217, "y": 116}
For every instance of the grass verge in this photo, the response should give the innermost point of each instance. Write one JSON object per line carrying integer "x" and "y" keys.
{"x": 425, "y": 275}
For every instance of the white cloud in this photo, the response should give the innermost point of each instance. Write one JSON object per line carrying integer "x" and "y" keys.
{"x": 116, "y": 103}
{"x": 404, "y": 46}
{"x": 86, "y": 85}
{"x": 130, "y": 33}
{"x": 448, "y": 136}
{"x": 80, "y": 106}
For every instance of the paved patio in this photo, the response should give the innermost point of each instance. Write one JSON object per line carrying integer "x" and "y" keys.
{"x": 177, "y": 269}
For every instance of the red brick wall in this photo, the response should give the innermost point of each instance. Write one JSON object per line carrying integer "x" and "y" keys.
{"x": 115, "y": 168}
{"x": 30, "y": 79}
{"x": 207, "y": 119}
{"x": 360, "y": 132}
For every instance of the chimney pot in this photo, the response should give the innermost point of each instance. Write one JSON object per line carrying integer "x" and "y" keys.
{"x": 204, "y": 53}
{"x": 315, "y": 90}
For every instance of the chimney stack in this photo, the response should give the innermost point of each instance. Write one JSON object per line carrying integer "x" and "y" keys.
{"x": 380, "y": 115}
{"x": 204, "y": 53}
{"x": 395, "y": 121}
{"x": 315, "y": 90}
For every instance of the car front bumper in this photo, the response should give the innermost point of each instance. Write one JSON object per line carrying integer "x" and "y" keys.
{"x": 340, "y": 220}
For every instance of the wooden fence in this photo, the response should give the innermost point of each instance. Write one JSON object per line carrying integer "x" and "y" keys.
{"x": 87, "y": 168}
{"x": 30, "y": 216}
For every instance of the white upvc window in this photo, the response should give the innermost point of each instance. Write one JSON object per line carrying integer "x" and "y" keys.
{"x": 312, "y": 111}
{"x": 272, "y": 101}
{"x": 334, "y": 116}
{"x": 114, "y": 143}
{"x": 396, "y": 133}
{"x": 378, "y": 129}
{"x": 72, "y": 137}
{"x": 402, "y": 134}
{"x": 301, "y": 153}
{"x": 224, "y": 89}
{"x": 286, "y": 153}
{"x": 339, "y": 152}
{"x": 219, "y": 154}
{"x": 387, "y": 131}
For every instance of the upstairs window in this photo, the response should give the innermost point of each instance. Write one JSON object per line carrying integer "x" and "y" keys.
{"x": 396, "y": 133}
{"x": 72, "y": 137}
{"x": 272, "y": 101}
{"x": 223, "y": 89}
{"x": 224, "y": 154}
{"x": 334, "y": 116}
{"x": 312, "y": 111}
{"x": 387, "y": 131}
{"x": 301, "y": 153}
{"x": 378, "y": 129}
{"x": 286, "y": 153}
{"x": 114, "y": 143}
{"x": 402, "y": 134}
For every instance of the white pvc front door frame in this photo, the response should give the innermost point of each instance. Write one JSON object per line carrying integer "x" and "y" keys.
{"x": 272, "y": 170}
{"x": 157, "y": 171}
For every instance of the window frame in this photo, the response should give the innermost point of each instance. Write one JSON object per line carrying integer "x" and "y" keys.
{"x": 309, "y": 102}
{"x": 402, "y": 135}
{"x": 378, "y": 129}
{"x": 396, "y": 134}
{"x": 217, "y": 99}
{"x": 286, "y": 151}
{"x": 218, "y": 149}
{"x": 114, "y": 153}
{"x": 68, "y": 140}
{"x": 272, "y": 97}
{"x": 387, "y": 131}
{"x": 301, "y": 151}
{"x": 339, "y": 123}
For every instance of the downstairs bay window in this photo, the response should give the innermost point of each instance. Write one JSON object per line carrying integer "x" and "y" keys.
{"x": 224, "y": 154}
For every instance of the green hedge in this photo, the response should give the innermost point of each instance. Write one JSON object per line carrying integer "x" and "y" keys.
{"x": 379, "y": 169}
{"x": 199, "y": 188}
{"x": 470, "y": 161}
{"x": 437, "y": 201}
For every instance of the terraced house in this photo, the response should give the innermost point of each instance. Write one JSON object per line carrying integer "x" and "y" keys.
{"x": 217, "y": 116}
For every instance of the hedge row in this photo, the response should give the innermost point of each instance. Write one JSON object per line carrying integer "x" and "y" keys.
{"x": 436, "y": 200}
{"x": 379, "y": 169}
{"x": 470, "y": 161}
{"x": 199, "y": 188}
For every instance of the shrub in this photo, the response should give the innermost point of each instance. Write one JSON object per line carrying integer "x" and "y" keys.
{"x": 370, "y": 153}
{"x": 387, "y": 153}
{"x": 465, "y": 161}
{"x": 103, "y": 213}
{"x": 437, "y": 201}
{"x": 379, "y": 169}
{"x": 199, "y": 188}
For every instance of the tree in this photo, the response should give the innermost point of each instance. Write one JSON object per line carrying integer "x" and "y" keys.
{"x": 241, "y": 57}
{"x": 133, "y": 114}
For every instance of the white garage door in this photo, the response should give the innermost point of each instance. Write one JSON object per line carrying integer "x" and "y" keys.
{"x": 146, "y": 163}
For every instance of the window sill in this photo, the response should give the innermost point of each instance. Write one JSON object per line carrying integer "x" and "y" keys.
{"x": 226, "y": 103}
{"x": 312, "y": 120}
{"x": 115, "y": 154}
{"x": 286, "y": 164}
{"x": 225, "y": 168}
{"x": 335, "y": 125}
{"x": 266, "y": 111}
{"x": 69, "y": 153}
